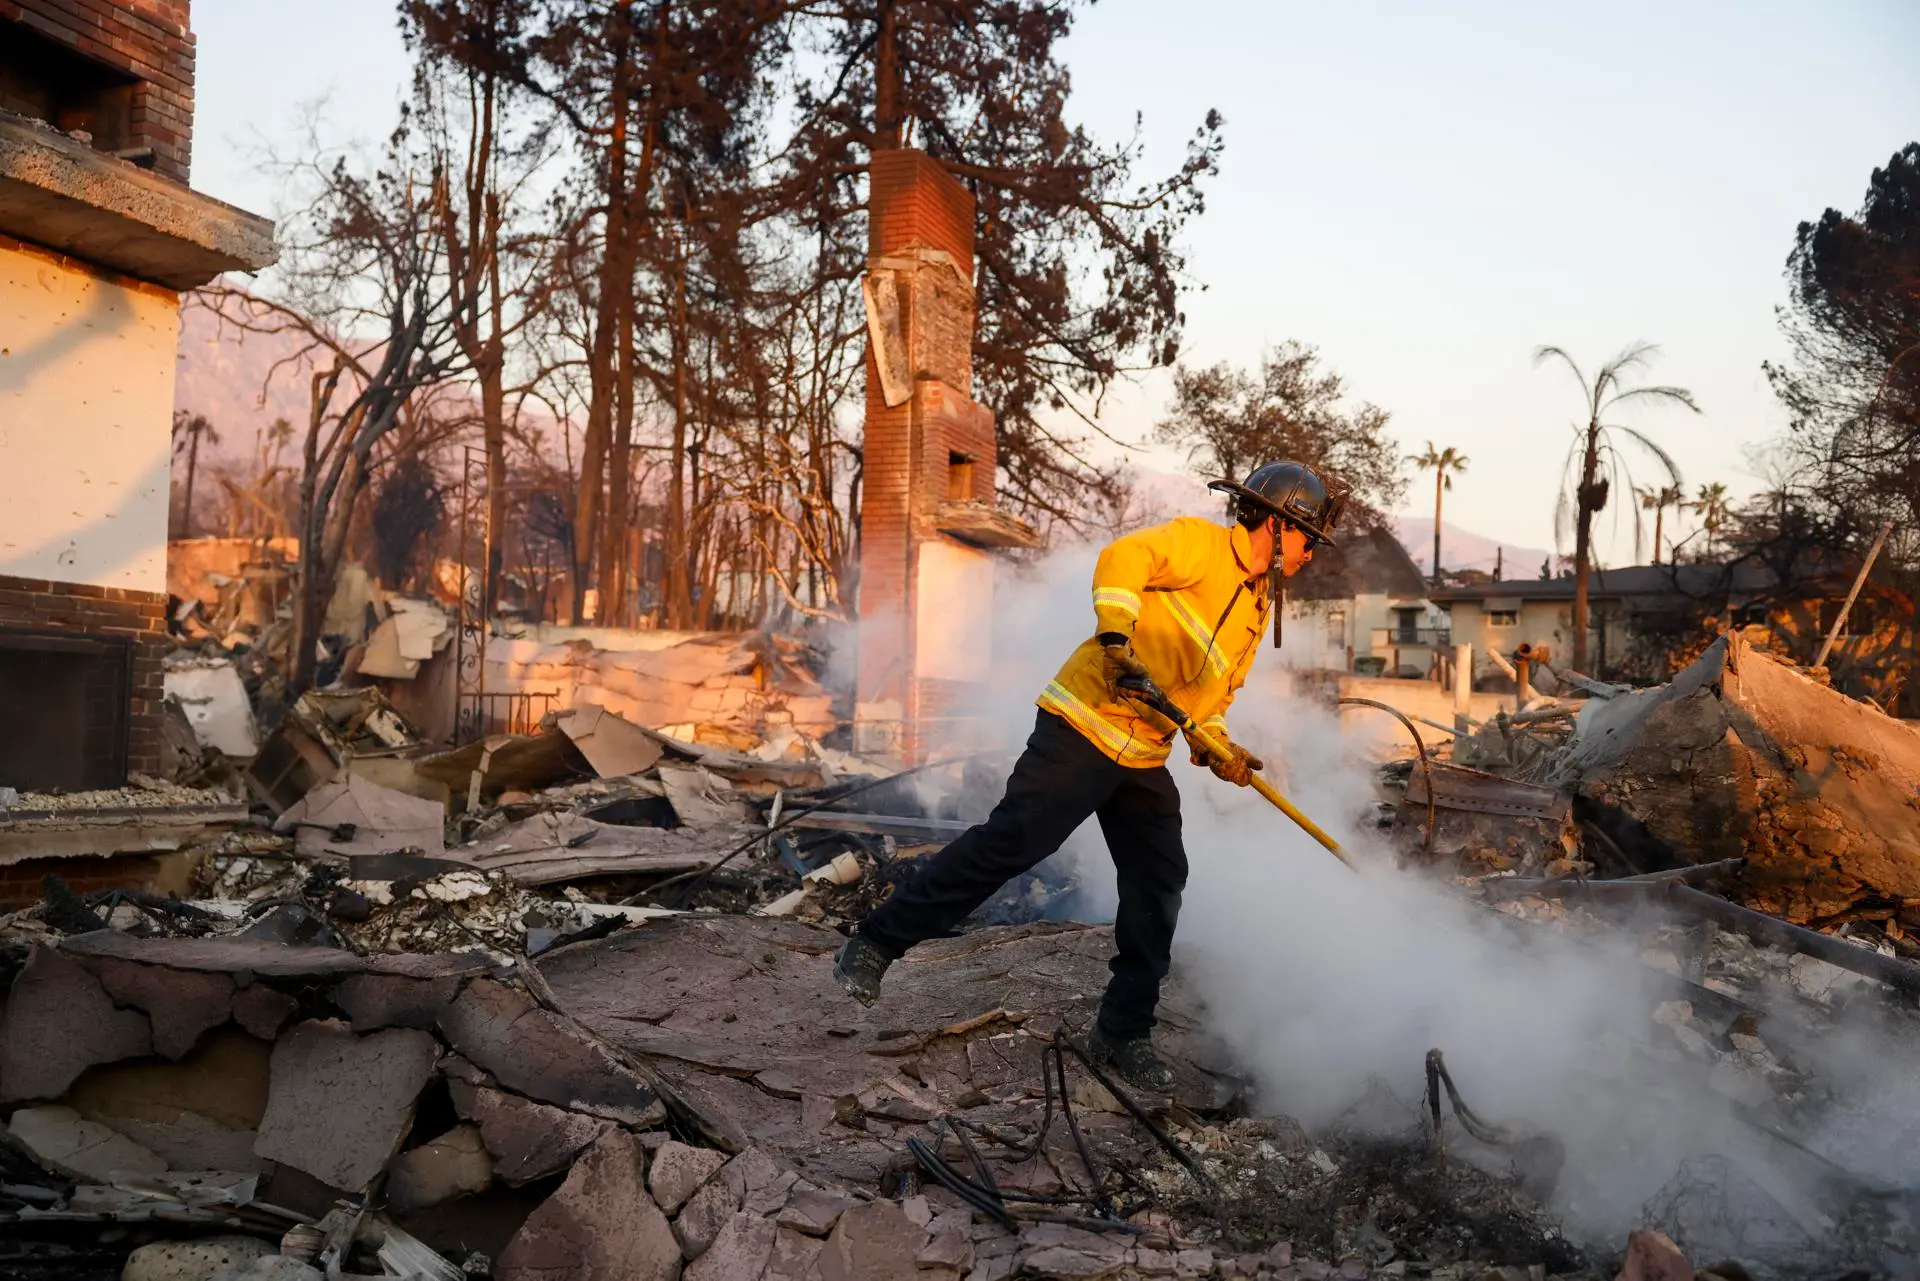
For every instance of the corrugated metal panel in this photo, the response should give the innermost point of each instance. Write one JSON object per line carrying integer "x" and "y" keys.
{"x": 1458, "y": 788}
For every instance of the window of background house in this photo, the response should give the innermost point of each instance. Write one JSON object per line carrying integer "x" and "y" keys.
{"x": 1862, "y": 620}
{"x": 1503, "y": 618}
{"x": 1337, "y": 627}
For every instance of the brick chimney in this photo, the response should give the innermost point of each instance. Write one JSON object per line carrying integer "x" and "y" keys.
{"x": 927, "y": 516}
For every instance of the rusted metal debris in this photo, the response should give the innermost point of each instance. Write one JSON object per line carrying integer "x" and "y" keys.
{"x": 1470, "y": 791}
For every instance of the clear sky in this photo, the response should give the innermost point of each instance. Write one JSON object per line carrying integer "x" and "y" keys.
{"x": 1426, "y": 192}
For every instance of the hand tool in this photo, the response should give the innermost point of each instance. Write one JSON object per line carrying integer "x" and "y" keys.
{"x": 1147, "y": 692}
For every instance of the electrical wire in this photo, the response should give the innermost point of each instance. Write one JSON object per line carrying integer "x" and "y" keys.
{"x": 984, "y": 1194}
{"x": 1438, "y": 1078}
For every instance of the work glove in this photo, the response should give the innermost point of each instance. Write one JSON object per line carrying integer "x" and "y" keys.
{"x": 1237, "y": 769}
{"x": 1119, "y": 664}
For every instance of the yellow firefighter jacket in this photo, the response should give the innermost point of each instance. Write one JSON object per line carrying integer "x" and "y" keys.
{"x": 1183, "y": 592}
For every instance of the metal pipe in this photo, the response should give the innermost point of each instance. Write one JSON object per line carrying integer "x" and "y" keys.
{"x": 1420, "y": 751}
{"x": 1775, "y": 932}
{"x": 1677, "y": 875}
{"x": 1769, "y": 931}
{"x": 1444, "y": 729}
{"x": 1690, "y": 875}
{"x": 1462, "y": 689}
{"x": 1598, "y": 689}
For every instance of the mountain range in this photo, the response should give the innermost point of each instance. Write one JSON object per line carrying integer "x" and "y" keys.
{"x": 1163, "y": 494}
{"x": 222, "y": 373}
{"x": 1464, "y": 549}
{"x": 231, "y": 378}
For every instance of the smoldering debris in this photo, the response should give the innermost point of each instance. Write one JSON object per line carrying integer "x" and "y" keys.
{"x": 1665, "y": 1030}
{"x": 718, "y": 1018}
{"x": 596, "y": 1030}
{"x": 591, "y": 1132}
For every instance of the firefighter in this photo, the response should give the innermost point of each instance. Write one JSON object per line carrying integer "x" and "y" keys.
{"x": 1184, "y": 603}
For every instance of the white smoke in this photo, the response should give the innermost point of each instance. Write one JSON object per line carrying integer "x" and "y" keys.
{"x": 1323, "y": 980}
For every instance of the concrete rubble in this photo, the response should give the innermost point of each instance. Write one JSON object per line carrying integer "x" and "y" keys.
{"x": 669, "y": 1101}
{"x": 1744, "y": 757}
{"x": 607, "y": 1138}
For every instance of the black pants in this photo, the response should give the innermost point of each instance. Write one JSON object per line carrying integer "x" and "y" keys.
{"x": 1058, "y": 781}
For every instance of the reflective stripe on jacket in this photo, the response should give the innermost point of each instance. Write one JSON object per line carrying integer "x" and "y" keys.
{"x": 1182, "y": 591}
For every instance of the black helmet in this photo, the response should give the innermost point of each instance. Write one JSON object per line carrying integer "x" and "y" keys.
{"x": 1294, "y": 492}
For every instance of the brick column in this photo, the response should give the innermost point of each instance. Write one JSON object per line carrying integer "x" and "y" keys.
{"x": 916, "y": 211}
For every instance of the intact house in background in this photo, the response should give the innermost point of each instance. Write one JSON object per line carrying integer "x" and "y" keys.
{"x": 99, "y": 235}
{"x": 1361, "y": 606}
{"x": 1640, "y": 615}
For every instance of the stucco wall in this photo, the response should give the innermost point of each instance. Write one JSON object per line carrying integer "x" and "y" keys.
{"x": 1420, "y": 698}
{"x": 1538, "y": 623}
{"x": 1312, "y": 638}
{"x": 86, "y": 407}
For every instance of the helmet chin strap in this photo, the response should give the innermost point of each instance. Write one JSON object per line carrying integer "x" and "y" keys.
{"x": 1277, "y": 577}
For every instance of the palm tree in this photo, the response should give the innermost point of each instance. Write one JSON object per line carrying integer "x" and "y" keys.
{"x": 1444, "y": 462}
{"x": 1710, "y": 505}
{"x": 1599, "y": 458}
{"x": 1655, "y": 499}
{"x": 188, "y": 431}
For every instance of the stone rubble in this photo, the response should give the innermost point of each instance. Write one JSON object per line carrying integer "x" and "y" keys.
{"x": 530, "y": 1096}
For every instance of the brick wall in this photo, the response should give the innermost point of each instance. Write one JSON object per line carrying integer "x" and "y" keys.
{"x": 20, "y": 882}
{"x": 949, "y": 423}
{"x": 140, "y": 617}
{"x": 148, "y": 40}
{"x": 886, "y": 524}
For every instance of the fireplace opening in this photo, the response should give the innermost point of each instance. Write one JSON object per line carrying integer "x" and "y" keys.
{"x": 64, "y": 710}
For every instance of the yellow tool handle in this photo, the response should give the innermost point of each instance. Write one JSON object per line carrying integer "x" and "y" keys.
{"x": 1219, "y": 751}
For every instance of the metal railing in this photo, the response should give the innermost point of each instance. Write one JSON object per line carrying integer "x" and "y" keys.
{"x": 1385, "y": 637}
{"x": 481, "y": 714}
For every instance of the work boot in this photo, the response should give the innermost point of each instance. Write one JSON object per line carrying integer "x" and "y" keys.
{"x": 860, "y": 966}
{"x": 1133, "y": 1061}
